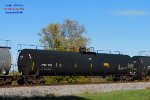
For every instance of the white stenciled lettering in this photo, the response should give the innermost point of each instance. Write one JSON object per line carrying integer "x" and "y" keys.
{"x": 43, "y": 64}
{"x": 49, "y": 64}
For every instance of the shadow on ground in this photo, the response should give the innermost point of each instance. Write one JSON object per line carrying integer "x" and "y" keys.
{"x": 43, "y": 98}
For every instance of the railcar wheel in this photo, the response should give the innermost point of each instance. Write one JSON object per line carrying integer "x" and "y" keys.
{"x": 21, "y": 81}
{"x": 146, "y": 78}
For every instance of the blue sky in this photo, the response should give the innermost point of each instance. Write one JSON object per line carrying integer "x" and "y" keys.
{"x": 122, "y": 25}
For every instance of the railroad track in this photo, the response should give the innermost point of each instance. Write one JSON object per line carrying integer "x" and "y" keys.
{"x": 31, "y": 85}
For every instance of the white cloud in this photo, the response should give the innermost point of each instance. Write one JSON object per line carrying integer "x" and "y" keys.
{"x": 132, "y": 12}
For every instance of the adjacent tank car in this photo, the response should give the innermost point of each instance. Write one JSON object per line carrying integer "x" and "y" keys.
{"x": 5, "y": 60}
{"x": 142, "y": 65}
{"x": 5, "y": 65}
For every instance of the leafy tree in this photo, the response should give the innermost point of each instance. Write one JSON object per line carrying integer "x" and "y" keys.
{"x": 51, "y": 36}
{"x": 74, "y": 34}
{"x": 67, "y": 36}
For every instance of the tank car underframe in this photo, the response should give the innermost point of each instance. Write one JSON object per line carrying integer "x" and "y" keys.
{"x": 123, "y": 77}
{"x": 32, "y": 79}
{"x": 6, "y": 80}
{"x": 29, "y": 79}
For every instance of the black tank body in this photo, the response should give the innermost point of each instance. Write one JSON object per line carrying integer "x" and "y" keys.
{"x": 48, "y": 62}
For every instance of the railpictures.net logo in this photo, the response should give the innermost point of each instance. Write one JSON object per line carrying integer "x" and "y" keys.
{"x": 14, "y": 8}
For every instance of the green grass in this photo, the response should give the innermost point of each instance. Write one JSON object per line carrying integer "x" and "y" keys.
{"x": 119, "y": 95}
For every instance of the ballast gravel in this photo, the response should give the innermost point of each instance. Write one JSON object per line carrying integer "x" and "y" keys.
{"x": 65, "y": 90}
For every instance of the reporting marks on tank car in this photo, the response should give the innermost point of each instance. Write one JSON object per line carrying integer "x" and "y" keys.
{"x": 47, "y": 65}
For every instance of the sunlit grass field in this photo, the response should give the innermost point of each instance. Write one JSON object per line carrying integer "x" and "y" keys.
{"x": 119, "y": 95}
